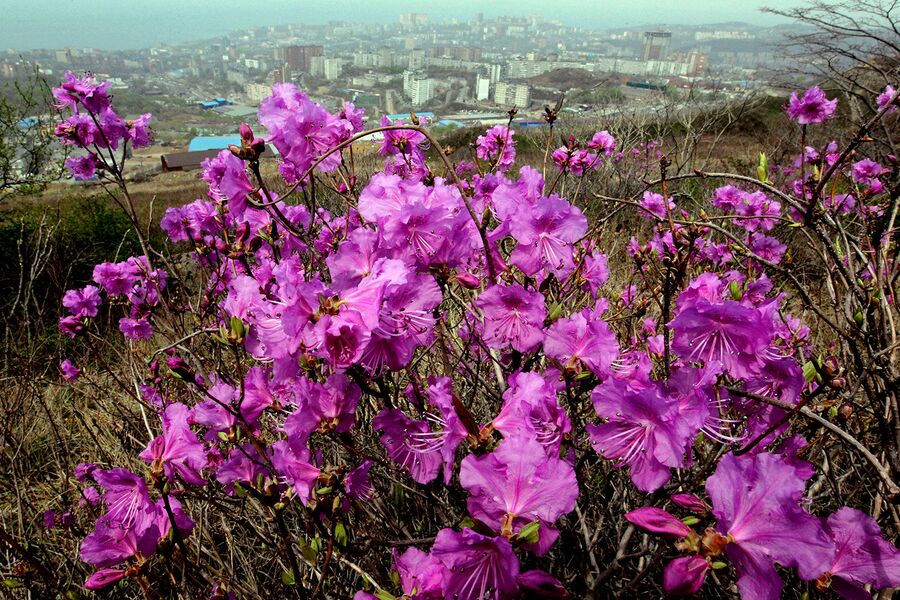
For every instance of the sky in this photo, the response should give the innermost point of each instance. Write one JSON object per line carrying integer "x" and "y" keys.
{"x": 123, "y": 24}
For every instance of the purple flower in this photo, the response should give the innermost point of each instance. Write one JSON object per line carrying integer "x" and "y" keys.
{"x": 421, "y": 575}
{"x": 69, "y": 371}
{"x": 655, "y": 205}
{"x": 768, "y": 248}
{"x": 864, "y": 171}
{"x": 862, "y": 555}
{"x": 497, "y": 146}
{"x": 840, "y": 204}
{"x": 78, "y": 130}
{"x": 135, "y": 329}
{"x": 226, "y": 175}
{"x": 584, "y": 338}
{"x": 594, "y": 272}
{"x": 476, "y": 566}
{"x": 756, "y": 502}
{"x": 328, "y": 407}
{"x": 294, "y": 469}
{"x": 71, "y": 326}
{"x": 82, "y": 167}
{"x": 812, "y": 109}
{"x": 424, "y": 446}
{"x": 358, "y": 485}
{"x": 727, "y": 197}
{"x": 726, "y": 333}
{"x": 540, "y": 584}
{"x": 757, "y": 212}
{"x": 139, "y": 131}
{"x": 300, "y": 129}
{"x": 690, "y": 502}
{"x": 645, "y": 430}
{"x": 545, "y": 236}
{"x": 113, "y": 129}
{"x": 513, "y": 317}
{"x": 603, "y": 140}
{"x": 84, "y": 302}
{"x": 117, "y": 278}
{"x": 177, "y": 452}
{"x": 244, "y": 465}
{"x": 531, "y": 408}
{"x": 517, "y": 484}
{"x": 405, "y": 323}
{"x": 885, "y": 98}
{"x": 75, "y": 91}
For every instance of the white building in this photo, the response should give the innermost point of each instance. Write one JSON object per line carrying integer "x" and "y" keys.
{"x": 333, "y": 68}
{"x": 417, "y": 87}
{"x": 482, "y": 87}
{"x": 365, "y": 59}
{"x": 257, "y": 92}
{"x": 512, "y": 94}
{"x": 317, "y": 66}
{"x": 422, "y": 91}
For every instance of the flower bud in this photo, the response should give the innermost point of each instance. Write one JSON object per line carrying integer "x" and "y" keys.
{"x": 690, "y": 502}
{"x": 684, "y": 576}
{"x": 658, "y": 521}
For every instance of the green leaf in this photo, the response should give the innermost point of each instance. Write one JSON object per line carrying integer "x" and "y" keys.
{"x": 809, "y": 371}
{"x": 530, "y": 533}
{"x": 340, "y": 534}
{"x": 288, "y": 578}
{"x": 690, "y": 521}
{"x": 719, "y": 565}
{"x": 308, "y": 552}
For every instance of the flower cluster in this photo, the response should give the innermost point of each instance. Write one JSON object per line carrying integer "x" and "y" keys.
{"x": 94, "y": 127}
{"x": 454, "y": 330}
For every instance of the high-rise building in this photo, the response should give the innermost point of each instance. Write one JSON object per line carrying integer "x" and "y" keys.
{"x": 482, "y": 87}
{"x": 317, "y": 66}
{"x": 656, "y": 45}
{"x": 496, "y": 73}
{"x": 512, "y": 94}
{"x": 413, "y": 19}
{"x": 298, "y": 57}
{"x": 418, "y": 87}
{"x": 333, "y": 68}
{"x": 385, "y": 58}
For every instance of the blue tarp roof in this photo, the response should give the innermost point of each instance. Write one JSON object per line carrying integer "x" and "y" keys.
{"x": 213, "y": 142}
{"x": 28, "y": 122}
{"x": 405, "y": 116}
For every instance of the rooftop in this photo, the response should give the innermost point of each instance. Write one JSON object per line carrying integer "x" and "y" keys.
{"x": 213, "y": 142}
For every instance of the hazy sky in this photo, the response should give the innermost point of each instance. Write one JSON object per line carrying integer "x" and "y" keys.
{"x": 118, "y": 24}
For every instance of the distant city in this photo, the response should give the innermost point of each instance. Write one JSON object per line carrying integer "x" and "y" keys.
{"x": 456, "y": 73}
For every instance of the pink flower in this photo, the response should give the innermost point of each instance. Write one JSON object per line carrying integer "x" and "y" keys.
{"x": 513, "y": 317}
{"x": 655, "y": 205}
{"x": 546, "y": 235}
{"x": 584, "y": 339}
{"x": 82, "y": 167}
{"x": 69, "y": 371}
{"x": 516, "y": 484}
{"x": 84, "y": 302}
{"x": 813, "y": 108}
{"x": 885, "y": 98}
{"x": 756, "y": 502}
{"x": 497, "y": 147}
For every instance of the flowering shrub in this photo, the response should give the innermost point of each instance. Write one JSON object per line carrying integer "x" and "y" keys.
{"x": 424, "y": 383}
